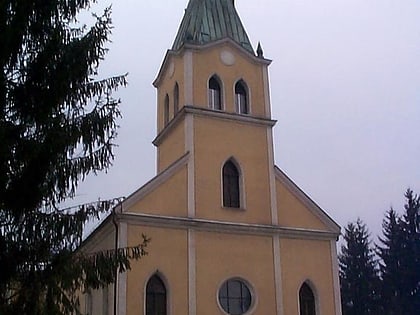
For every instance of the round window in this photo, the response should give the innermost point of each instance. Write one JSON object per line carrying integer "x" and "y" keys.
{"x": 235, "y": 297}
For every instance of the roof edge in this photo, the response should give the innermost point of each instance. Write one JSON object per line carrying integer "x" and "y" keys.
{"x": 153, "y": 183}
{"x": 312, "y": 205}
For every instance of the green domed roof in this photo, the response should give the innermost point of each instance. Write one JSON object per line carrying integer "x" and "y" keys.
{"x": 206, "y": 21}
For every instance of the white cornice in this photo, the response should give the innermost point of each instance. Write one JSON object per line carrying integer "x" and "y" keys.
{"x": 225, "y": 41}
{"x": 223, "y": 227}
{"x": 170, "y": 126}
{"x": 201, "y": 111}
{"x": 308, "y": 202}
{"x": 230, "y": 42}
{"x": 206, "y": 112}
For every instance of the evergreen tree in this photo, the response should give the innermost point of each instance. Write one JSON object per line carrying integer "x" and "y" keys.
{"x": 391, "y": 263}
{"x": 400, "y": 258}
{"x": 57, "y": 125}
{"x": 359, "y": 278}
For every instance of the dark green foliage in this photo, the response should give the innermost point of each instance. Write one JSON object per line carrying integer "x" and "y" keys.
{"x": 57, "y": 125}
{"x": 358, "y": 272}
{"x": 400, "y": 258}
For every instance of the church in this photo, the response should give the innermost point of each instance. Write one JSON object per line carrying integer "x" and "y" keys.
{"x": 230, "y": 231}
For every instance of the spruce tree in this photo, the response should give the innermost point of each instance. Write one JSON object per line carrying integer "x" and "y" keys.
{"x": 391, "y": 261}
{"x": 359, "y": 278}
{"x": 58, "y": 123}
{"x": 400, "y": 258}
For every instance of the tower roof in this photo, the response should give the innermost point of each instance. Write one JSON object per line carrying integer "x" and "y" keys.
{"x": 206, "y": 21}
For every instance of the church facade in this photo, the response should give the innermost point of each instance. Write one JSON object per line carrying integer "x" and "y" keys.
{"x": 230, "y": 232}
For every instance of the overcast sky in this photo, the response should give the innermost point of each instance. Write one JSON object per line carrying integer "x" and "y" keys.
{"x": 345, "y": 89}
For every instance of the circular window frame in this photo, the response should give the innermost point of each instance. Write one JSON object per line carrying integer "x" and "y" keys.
{"x": 250, "y": 288}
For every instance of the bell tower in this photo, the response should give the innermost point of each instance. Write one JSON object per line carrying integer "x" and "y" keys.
{"x": 213, "y": 103}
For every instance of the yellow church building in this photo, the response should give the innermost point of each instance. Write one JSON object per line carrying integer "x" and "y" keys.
{"x": 230, "y": 232}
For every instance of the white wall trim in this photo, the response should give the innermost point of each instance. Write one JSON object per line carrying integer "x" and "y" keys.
{"x": 184, "y": 223}
{"x": 277, "y": 275}
{"x": 192, "y": 298}
{"x": 202, "y": 111}
{"x": 188, "y": 77}
{"x": 189, "y": 147}
{"x": 266, "y": 82}
{"x": 157, "y": 132}
{"x": 336, "y": 281}
{"x": 272, "y": 178}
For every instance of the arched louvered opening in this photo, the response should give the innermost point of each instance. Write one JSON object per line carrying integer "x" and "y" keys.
{"x": 231, "y": 185}
{"x": 306, "y": 300}
{"x": 241, "y": 97}
{"x": 176, "y": 98}
{"x": 156, "y": 296}
{"x": 215, "y": 93}
{"x": 166, "y": 110}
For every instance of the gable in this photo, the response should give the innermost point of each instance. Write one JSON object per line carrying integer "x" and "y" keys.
{"x": 166, "y": 194}
{"x": 297, "y": 210}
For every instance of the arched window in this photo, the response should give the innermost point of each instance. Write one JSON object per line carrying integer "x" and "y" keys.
{"x": 215, "y": 93}
{"x": 176, "y": 98}
{"x": 166, "y": 110}
{"x": 241, "y": 97}
{"x": 155, "y": 296}
{"x": 231, "y": 185}
{"x": 306, "y": 300}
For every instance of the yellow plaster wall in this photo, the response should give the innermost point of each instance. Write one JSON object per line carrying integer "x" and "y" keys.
{"x": 303, "y": 260}
{"x": 172, "y": 147}
{"x": 293, "y": 213}
{"x": 167, "y": 85}
{"x": 212, "y": 149}
{"x": 223, "y": 256}
{"x": 207, "y": 63}
{"x": 167, "y": 255}
{"x": 169, "y": 198}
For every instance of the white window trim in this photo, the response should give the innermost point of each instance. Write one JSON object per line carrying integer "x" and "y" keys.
{"x": 167, "y": 287}
{"x": 222, "y": 94}
{"x": 315, "y": 293}
{"x": 251, "y": 288}
{"x": 248, "y": 94}
{"x": 242, "y": 199}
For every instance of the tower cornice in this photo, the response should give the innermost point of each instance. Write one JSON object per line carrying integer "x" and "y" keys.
{"x": 205, "y": 112}
{"x": 192, "y": 47}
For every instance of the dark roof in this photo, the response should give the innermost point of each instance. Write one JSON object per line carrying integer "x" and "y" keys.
{"x": 206, "y": 21}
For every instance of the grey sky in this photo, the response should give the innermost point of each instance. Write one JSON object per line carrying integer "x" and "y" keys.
{"x": 345, "y": 89}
